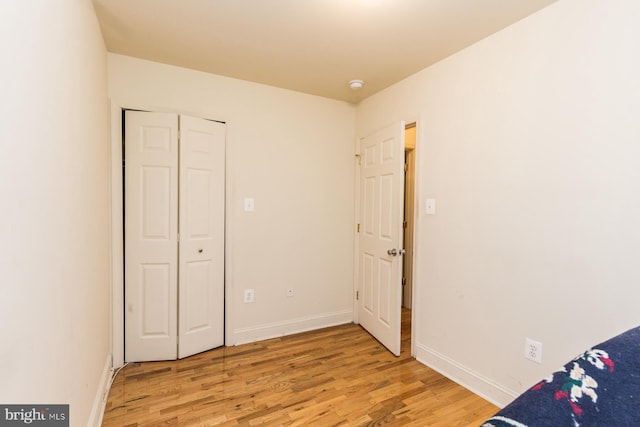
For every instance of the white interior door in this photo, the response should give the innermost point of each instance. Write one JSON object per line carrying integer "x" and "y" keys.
{"x": 201, "y": 250}
{"x": 151, "y": 229}
{"x": 380, "y": 239}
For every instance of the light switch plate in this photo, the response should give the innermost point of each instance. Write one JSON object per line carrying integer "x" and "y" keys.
{"x": 430, "y": 206}
{"x": 249, "y": 204}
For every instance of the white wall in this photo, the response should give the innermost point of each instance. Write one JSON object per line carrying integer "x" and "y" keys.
{"x": 54, "y": 228}
{"x": 529, "y": 142}
{"x": 294, "y": 154}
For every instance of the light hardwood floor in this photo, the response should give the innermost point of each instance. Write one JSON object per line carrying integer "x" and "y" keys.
{"x": 329, "y": 377}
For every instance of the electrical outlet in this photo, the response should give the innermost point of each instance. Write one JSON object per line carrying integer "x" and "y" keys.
{"x": 533, "y": 350}
{"x": 248, "y": 295}
{"x": 290, "y": 292}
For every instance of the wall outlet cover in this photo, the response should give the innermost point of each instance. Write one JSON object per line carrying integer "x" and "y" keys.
{"x": 533, "y": 350}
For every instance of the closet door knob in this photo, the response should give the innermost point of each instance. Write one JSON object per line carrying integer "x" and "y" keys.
{"x": 200, "y": 251}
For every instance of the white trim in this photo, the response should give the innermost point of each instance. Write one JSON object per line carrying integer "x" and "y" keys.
{"x": 279, "y": 329}
{"x": 100, "y": 399}
{"x": 228, "y": 242}
{"x": 117, "y": 252}
{"x": 356, "y": 235}
{"x": 415, "y": 291}
{"x": 469, "y": 379}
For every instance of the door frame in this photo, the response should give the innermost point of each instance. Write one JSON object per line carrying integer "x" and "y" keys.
{"x": 415, "y": 300}
{"x": 116, "y": 231}
{"x": 409, "y": 190}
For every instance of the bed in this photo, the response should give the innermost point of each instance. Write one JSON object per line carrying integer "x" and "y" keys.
{"x": 600, "y": 387}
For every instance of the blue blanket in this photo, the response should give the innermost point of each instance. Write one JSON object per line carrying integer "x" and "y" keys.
{"x": 600, "y": 387}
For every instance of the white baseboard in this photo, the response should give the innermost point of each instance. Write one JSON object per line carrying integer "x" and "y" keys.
{"x": 100, "y": 400}
{"x": 294, "y": 326}
{"x": 467, "y": 378}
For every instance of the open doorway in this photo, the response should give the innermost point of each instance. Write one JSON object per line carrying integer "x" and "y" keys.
{"x": 380, "y": 246}
{"x": 408, "y": 230}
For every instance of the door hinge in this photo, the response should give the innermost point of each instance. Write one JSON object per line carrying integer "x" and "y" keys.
{"x": 404, "y": 224}
{"x": 178, "y": 237}
{"x": 406, "y": 167}
{"x": 359, "y": 159}
{"x": 404, "y": 281}
{"x": 357, "y": 295}
{"x": 358, "y": 228}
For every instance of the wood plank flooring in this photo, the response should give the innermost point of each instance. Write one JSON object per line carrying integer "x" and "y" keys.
{"x": 337, "y": 376}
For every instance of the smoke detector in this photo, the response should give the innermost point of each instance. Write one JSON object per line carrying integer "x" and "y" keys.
{"x": 356, "y": 84}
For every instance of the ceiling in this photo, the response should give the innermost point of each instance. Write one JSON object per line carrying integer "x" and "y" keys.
{"x": 311, "y": 46}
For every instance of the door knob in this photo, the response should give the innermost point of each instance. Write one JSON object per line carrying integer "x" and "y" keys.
{"x": 396, "y": 252}
{"x": 199, "y": 251}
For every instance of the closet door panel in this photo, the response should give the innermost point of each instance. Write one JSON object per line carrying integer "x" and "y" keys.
{"x": 202, "y": 201}
{"x": 151, "y": 229}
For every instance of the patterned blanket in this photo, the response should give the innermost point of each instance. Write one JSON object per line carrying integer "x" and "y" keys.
{"x": 600, "y": 387}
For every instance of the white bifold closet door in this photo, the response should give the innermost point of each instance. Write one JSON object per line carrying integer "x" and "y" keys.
{"x": 174, "y": 235}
